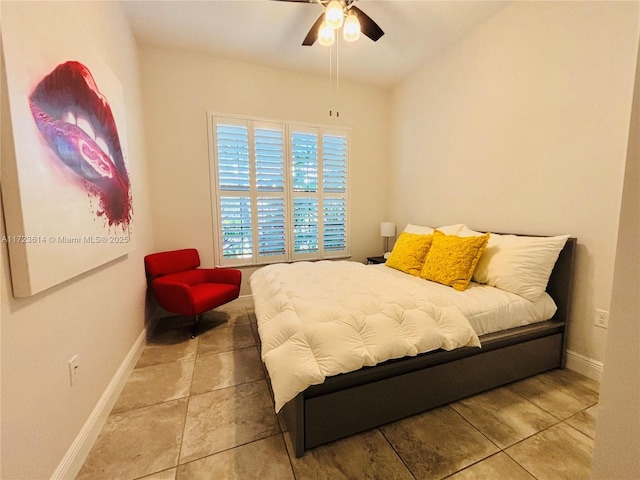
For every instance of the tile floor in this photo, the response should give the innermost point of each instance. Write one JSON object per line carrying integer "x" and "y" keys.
{"x": 201, "y": 409}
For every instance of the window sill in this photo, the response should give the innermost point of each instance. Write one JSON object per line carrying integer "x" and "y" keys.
{"x": 264, "y": 264}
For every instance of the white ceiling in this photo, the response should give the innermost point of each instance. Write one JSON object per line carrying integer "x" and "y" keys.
{"x": 270, "y": 33}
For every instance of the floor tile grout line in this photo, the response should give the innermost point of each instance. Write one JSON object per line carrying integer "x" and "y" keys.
{"x": 513, "y": 459}
{"x": 578, "y": 430}
{"x": 480, "y": 460}
{"x": 149, "y": 405}
{"x": 178, "y": 360}
{"x": 532, "y": 402}
{"x": 500, "y": 449}
{"x": 286, "y": 449}
{"x": 223, "y": 451}
{"x": 227, "y": 386}
{"x": 556, "y": 422}
{"x": 186, "y": 414}
{"x": 280, "y": 432}
{"x": 472, "y": 464}
{"x": 164, "y": 363}
{"x": 479, "y": 431}
{"x": 193, "y": 372}
{"x": 578, "y": 413}
{"x": 209, "y": 354}
{"x": 537, "y": 433}
{"x": 503, "y": 450}
{"x": 557, "y": 386}
{"x": 450, "y": 405}
{"x": 396, "y": 452}
{"x": 190, "y": 394}
{"x": 154, "y": 473}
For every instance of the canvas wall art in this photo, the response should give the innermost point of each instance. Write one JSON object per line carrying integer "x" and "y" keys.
{"x": 76, "y": 121}
{"x": 66, "y": 178}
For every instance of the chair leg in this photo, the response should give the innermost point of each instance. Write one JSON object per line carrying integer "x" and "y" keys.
{"x": 196, "y": 320}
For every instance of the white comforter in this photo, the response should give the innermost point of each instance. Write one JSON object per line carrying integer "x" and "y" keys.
{"x": 324, "y": 318}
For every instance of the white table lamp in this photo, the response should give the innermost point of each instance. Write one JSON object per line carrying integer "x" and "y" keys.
{"x": 387, "y": 229}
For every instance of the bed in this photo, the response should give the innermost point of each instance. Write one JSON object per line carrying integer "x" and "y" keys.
{"x": 335, "y": 406}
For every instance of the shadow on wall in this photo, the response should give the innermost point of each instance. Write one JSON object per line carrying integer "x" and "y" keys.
{"x": 583, "y": 282}
{"x": 152, "y": 310}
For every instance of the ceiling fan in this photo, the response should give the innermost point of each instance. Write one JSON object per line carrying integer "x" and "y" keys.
{"x": 337, "y": 14}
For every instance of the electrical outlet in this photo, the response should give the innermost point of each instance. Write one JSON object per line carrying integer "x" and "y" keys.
{"x": 74, "y": 369}
{"x": 602, "y": 318}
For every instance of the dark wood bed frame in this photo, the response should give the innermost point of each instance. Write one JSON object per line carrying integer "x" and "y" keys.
{"x": 357, "y": 401}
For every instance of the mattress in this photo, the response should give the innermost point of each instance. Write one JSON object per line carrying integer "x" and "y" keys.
{"x": 488, "y": 309}
{"x": 325, "y": 318}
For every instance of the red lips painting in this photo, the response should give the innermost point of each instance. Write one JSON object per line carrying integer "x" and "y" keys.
{"x": 76, "y": 121}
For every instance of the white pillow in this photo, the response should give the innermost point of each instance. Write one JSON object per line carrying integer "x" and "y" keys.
{"x": 451, "y": 229}
{"x": 418, "y": 229}
{"x": 447, "y": 229}
{"x": 519, "y": 264}
{"x": 467, "y": 232}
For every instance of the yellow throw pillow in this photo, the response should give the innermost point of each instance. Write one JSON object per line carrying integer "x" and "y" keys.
{"x": 451, "y": 259}
{"x": 409, "y": 252}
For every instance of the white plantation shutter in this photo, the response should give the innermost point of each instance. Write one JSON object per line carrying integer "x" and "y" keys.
{"x": 235, "y": 213}
{"x": 269, "y": 144}
{"x": 305, "y": 226}
{"x": 271, "y": 227}
{"x": 334, "y": 163}
{"x": 234, "y": 184}
{"x": 304, "y": 171}
{"x": 233, "y": 157}
{"x": 270, "y": 186}
{"x": 304, "y": 161}
{"x": 334, "y": 168}
{"x": 335, "y": 221}
{"x": 280, "y": 191}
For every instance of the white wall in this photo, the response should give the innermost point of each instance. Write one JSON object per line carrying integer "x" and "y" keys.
{"x": 618, "y": 431}
{"x": 180, "y": 87}
{"x": 522, "y": 127}
{"x": 92, "y": 315}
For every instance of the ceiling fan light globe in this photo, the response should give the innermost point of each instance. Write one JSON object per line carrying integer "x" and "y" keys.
{"x": 351, "y": 30}
{"x": 334, "y": 14}
{"x": 326, "y": 35}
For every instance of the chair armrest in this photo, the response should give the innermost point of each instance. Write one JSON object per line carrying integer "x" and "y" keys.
{"x": 173, "y": 296}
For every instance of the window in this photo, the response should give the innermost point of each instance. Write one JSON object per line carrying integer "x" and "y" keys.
{"x": 281, "y": 191}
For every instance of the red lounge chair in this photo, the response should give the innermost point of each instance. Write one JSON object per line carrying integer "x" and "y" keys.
{"x": 183, "y": 288}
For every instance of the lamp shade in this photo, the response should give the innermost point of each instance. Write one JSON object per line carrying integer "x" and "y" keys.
{"x": 351, "y": 29}
{"x": 326, "y": 35}
{"x": 387, "y": 229}
{"x": 334, "y": 15}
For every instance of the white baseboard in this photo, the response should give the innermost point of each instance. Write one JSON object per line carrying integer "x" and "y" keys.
{"x": 73, "y": 460}
{"x": 584, "y": 365}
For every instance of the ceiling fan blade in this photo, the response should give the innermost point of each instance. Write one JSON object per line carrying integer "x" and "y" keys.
{"x": 312, "y": 36}
{"x": 367, "y": 26}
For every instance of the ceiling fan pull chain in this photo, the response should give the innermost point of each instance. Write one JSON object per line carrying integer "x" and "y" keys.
{"x": 330, "y": 80}
{"x": 337, "y": 101}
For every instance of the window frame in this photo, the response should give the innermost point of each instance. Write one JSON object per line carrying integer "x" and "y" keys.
{"x": 287, "y": 129}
